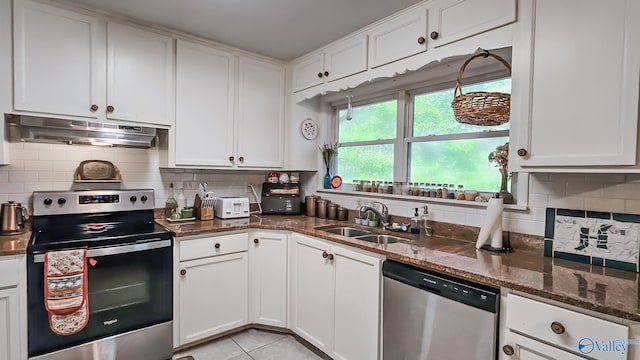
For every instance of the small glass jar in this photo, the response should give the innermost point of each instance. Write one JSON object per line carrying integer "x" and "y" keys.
{"x": 415, "y": 189}
{"x": 405, "y": 188}
{"x": 460, "y": 193}
{"x": 367, "y": 186}
{"x": 452, "y": 192}
{"x": 445, "y": 191}
{"x": 374, "y": 186}
{"x": 439, "y": 191}
{"x": 382, "y": 187}
{"x": 397, "y": 188}
{"x": 389, "y": 187}
{"x": 356, "y": 185}
{"x": 432, "y": 190}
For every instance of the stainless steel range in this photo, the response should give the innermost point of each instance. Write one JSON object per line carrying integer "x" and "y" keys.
{"x": 129, "y": 275}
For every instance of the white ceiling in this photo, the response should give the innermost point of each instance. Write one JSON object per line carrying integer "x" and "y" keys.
{"x": 282, "y": 29}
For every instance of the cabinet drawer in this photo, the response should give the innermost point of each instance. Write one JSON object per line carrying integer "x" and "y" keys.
{"x": 212, "y": 246}
{"x": 8, "y": 273}
{"x": 533, "y": 318}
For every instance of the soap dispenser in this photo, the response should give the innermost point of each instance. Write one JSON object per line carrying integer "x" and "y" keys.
{"x": 425, "y": 223}
{"x": 415, "y": 226}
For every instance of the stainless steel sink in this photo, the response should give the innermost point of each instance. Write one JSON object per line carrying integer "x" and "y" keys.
{"x": 380, "y": 239}
{"x": 345, "y": 231}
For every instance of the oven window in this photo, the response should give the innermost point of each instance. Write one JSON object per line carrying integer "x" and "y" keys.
{"x": 119, "y": 287}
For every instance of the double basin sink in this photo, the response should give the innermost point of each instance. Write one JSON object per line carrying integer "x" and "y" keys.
{"x": 359, "y": 234}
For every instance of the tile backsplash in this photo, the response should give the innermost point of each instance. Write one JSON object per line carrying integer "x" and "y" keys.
{"x": 593, "y": 237}
{"x": 36, "y": 167}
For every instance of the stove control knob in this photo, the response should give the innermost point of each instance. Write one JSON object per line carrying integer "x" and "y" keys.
{"x": 48, "y": 201}
{"x": 62, "y": 201}
{"x": 133, "y": 199}
{"x": 143, "y": 198}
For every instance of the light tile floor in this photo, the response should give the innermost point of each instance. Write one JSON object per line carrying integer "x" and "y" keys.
{"x": 251, "y": 344}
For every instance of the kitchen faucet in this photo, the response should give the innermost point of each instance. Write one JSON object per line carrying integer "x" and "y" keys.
{"x": 383, "y": 214}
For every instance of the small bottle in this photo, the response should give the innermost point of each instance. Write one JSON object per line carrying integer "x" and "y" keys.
{"x": 415, "y": 225}
{"x": 182, "y": 200}
{"x": 432, "y": 190}
{"x": 460, "y": 193}
{"x": 445, "y": 191}
{"x": 439, "y": 191}
{"x": 171, "y": 202}
{"x": 425, "y": 223}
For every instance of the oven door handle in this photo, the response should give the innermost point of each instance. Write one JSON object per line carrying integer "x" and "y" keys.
{"x": 114, "y": 250}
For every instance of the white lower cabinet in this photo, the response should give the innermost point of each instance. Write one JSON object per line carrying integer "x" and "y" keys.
{"x": 532, "y": 329}
{"x": 213, "y": 287}
{"x": 12, "y": 319}
{"x": 268, "y": 278}
{"x": 335, "y": 298}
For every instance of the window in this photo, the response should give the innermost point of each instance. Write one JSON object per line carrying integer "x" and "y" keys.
{"x": 367, "y": 145}
{"x": 435, "y": 149}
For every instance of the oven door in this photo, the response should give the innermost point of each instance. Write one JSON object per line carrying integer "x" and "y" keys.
{"x": 130, "y": 287}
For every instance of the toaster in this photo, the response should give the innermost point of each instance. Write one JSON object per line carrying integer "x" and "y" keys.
{"x": 280, "y": 198}
{"x": 231, "y": 207}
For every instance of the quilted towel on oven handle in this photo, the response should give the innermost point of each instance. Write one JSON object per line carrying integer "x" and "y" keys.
{"x": 66, "y": 290}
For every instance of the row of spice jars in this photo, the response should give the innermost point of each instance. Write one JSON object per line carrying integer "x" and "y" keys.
{"x": 443, "y": 191}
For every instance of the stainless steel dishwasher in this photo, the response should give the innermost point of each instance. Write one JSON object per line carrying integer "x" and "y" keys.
{"x": 431, "y": 316}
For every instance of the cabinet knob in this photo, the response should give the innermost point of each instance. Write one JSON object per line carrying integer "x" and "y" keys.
{"x": 241, "y": 159}
{"x": 326, "y": 73}
{"x": 319, "y": 74}
{"x": 557, "y": 328}
{"x": 508, "y": 350}
{"x": 183, "y": 272}
{"x": 110, "y": 109}
{"x": 94, "y": 108}
{"x": 217, "y": 245}
{"x": 325, "y": 254}
{"x": 256, "y": 241}
{"x": 421, "y": 40}
{"x": 231, "y": 158}
{"x": 522, "y": 152}
{"x": 434, "y": 35}
{"x": 330, "y": 257}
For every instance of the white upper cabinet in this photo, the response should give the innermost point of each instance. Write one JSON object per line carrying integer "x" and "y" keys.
{"x": 452, "y": 20}
{"x": 140, "y": 75}
{"x": 398, "y": 37}
{"x": 260, "y": 125}
{"x": 205, "y": 85}
{"x": 338, "y": 61}
{"x": 576, "y": 67}
{"x": 55, "y": 61}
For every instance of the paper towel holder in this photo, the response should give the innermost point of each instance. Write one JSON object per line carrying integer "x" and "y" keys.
{"x": 506, "y": 244}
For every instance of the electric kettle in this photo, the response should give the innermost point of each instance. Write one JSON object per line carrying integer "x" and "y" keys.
{"x": 14, "y": 217}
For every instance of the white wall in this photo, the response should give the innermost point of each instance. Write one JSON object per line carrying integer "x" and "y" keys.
{"x": 36, "y": 167}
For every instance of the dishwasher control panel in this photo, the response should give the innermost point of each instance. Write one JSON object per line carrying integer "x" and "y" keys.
{"x": 476, "y": 295}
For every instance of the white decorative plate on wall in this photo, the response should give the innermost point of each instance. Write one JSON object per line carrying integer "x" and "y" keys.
{"x": 309, "y": 129}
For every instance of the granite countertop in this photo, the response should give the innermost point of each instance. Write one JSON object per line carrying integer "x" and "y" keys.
{"x": 608, "y": 291}
{"x": 14, "y": 244}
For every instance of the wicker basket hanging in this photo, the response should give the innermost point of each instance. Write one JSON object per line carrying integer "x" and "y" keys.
{"x": 481, "y": 107}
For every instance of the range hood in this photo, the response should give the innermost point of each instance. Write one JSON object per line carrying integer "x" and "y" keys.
{"x": 39, "y": 129}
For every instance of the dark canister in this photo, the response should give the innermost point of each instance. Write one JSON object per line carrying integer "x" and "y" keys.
{"x": 343, "y": 214}
{"x": 321, "y": 208}
{"x": 310, "y": 202}
{"x": 332, "y": 211}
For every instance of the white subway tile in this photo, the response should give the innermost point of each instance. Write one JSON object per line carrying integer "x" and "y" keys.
{"x": 605, "y": 178}
{"x": 538, "y": 200}
{"x": 38, "y": 165}
{"x": 585, "y": 189}
{"x": 632, "y": 206}
{"x": 524, "y": 226}
{"x": 603, "y": 204}
{"x": 16, "y": 165}
{"x": 77, "y": 156}
{"x": 566, "y": 202}
{"x": 623, "y": 191}
{"x": 549, "y": 188}
{"x": 37, "y": 146}
{"x": 23, "y": 176}
{"x": 55, "y": 176}
{"x": 11, "y": 188}
{"x": 24, "y": 155}
{"x": 52, "y": 155}
{"x": 16, "y": 146}
{"x": 4, "y": 176}
{"x": 560, "y": 177}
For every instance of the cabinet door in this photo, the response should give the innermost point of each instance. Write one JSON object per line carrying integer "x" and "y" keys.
{"x": 139, "y": 75}
{"x": 204, "y": 105}
{"x": 525, "y": 348}
{"x": 575, "y": 107}
{"x": 312, "y": 287}
{"x": 398, "y": 38}
{"x": 357, "y": 305}
{"x": 453, "y": 20}
{"x": 347, "y": 58}
{"x": 308, "y": 73}
{"x": 268, "y": 278}
{"x": 9, "y": 324}
{"x": 55, "y": 71}
{"x": 260, "y": 127}
{"x": 213, "y": 296}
